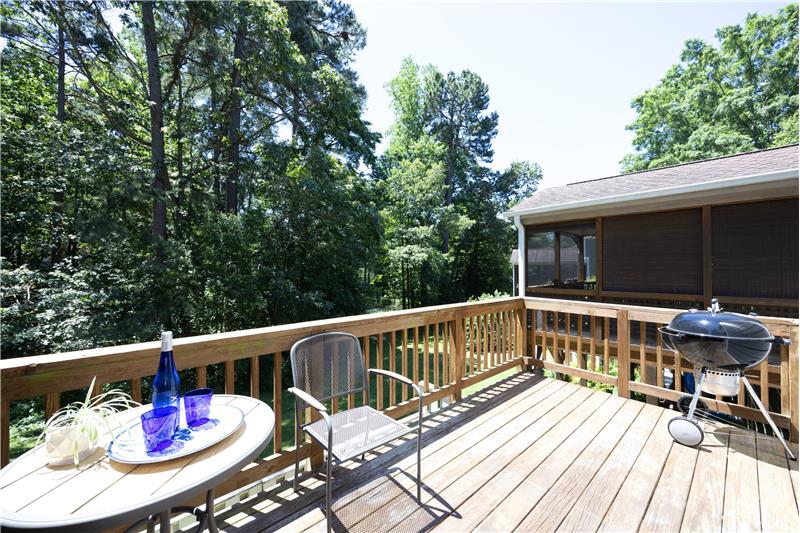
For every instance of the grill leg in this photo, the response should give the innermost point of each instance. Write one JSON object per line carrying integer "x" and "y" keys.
{"x": 766, "y": 415}
{"x": 696, "y": 397}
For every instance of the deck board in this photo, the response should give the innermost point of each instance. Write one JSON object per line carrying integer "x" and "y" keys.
{"x": 532, "y": 453}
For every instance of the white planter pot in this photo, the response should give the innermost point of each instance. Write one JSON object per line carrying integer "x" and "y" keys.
{"x": 59, "y": 445}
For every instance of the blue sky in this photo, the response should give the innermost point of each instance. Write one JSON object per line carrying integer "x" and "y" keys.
{"x": 561, "y": 75}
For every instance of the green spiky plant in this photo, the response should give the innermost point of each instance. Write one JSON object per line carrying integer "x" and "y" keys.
{"x": 91, "y": 418}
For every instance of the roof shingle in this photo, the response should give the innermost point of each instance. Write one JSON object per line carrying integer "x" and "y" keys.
{"x": 708, "y": 170}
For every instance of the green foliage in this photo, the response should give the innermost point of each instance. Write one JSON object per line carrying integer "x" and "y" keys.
{"x": 739, "y": 96}
{"x": 444, "y": 240}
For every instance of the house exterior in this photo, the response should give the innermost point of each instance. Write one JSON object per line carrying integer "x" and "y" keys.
{"x": 675, "y": 236}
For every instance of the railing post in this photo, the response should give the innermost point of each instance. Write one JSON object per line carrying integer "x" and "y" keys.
{"x": 4, "y": 432}
{"x": 623, "y": 353}
{"x": 522, "y": 329}
{"x": 459, "y": 338}
{"x": 794, "y": 384}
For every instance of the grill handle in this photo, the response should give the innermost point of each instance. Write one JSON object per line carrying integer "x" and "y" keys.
{"x": 781, "y": 341}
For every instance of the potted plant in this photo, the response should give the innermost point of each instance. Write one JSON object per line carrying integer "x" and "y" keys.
{"x": 73, "y": 432}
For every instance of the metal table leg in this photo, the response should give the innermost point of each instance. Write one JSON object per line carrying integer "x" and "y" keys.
{"x": 205, "y": 518}
{"x": 163, "y": 519}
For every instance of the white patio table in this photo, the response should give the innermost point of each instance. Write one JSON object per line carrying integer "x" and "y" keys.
{"x": 101, "y": 493}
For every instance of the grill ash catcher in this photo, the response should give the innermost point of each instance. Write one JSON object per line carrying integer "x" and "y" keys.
{"x": 722, "y": 346}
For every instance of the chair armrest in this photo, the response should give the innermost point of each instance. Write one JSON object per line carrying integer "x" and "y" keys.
{"x": 308, "y": 399}
{"x": 398, "y": 377}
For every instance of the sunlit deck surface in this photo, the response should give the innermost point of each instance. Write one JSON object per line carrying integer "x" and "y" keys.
{"x": 532, "y": 453}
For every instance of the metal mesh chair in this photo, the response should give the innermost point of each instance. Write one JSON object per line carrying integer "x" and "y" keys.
{"x": 328, "y": 366}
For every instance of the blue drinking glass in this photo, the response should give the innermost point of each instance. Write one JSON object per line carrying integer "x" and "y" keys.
{"x": 197, "y": 405}
{"x": 158, "y": 426}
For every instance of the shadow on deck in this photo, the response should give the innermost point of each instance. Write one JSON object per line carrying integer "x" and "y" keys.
{"x": 532, "y": 453}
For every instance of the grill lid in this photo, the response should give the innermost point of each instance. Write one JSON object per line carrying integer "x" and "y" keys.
{"x": 716, "y": 324}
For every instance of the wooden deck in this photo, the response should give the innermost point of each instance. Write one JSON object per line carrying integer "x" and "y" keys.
{"x": 532, "y": 453}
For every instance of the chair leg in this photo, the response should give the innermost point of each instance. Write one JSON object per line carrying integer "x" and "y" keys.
{"x": 419, "y": 464}
{"x": 297, "y": 437}
{"x": 328, "y": 491}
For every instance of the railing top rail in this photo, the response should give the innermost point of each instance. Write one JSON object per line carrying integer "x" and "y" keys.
{"x": 34, "y": 375}
{"x": 635, "y": 312}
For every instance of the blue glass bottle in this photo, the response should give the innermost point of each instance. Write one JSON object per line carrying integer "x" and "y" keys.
{"x": 167, "y": 384}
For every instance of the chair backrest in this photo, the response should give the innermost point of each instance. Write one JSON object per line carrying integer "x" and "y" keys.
{"x": 328, "y": 365}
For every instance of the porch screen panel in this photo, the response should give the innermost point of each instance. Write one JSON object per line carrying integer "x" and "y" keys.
{"x": 754, "y": 249}
{"x": 654, "y": 252}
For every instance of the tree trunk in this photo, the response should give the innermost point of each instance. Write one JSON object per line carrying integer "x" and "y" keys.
{"x": 448, "y": 194}
{"x": 157, "y": 152}
{"x": 58, "y": 195}
{"x": 234, "y": 122}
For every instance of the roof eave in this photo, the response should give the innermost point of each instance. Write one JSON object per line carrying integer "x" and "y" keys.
{"x": 657, "y": 193}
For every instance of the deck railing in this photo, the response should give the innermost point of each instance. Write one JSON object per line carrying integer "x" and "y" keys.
{"x": 620, "y": 346}
{"x": 446, "y": 348}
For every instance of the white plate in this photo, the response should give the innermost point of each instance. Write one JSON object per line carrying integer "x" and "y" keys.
{"x": 128, "y": 444}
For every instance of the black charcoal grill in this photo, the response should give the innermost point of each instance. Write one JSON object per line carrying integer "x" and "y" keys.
{"x": 721, "y": 346}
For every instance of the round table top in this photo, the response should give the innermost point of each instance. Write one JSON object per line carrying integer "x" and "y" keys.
{"x": 101, "y": 493}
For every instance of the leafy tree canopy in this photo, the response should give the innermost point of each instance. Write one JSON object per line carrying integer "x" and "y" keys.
{"x": 738, "y": 96}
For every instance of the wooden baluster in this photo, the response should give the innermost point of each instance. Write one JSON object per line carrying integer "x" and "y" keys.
{"x": 415, "y": 360}
{"x": 457, "y": 357}
{"x": 445, "y": 354}
{"x": 794, "y": 384}
{"x": 404, "y": 363}
{"x": 136, "y": 389}
{"x": 568, "y": 340}
{"x": 508, "y": 335}
{"x": 426, "y": 357}
{"x": 335, "y": 384}
{"x": 52, "y": 403}
{"x": 379, "y": 379}
{"x": 678, "y": 381}
{"x": 459, "y": 353}
{"x": 255, "y": 386}
{"x": 436, "y": 356}
{"x": 579, "y": 348}
{"x": 365, "y": 356}
{"x": 392, "y": 367}
{"x": 98, "y": 388}
{"x": 623, "y": 353}
{"x": 556, "y": 358}
{"x": 490, "y": 354}
{"x": 593, "y": 343}
{"x": 351, "y": 376}
{"x": 532, "y": 333}
{"x": 740, "y": 396}
{"x": 642, "y": 351}
{"x": 498, "y": 333}
{"x": 476, "y": 357}
{"x": 469, "y": 337}
{"x": 486, "y": 357}
{"x": 229, "y": 376}
{"x": 277, "y": 388}
{"x": 607, "y": 344}
{"x": 785, "y": 388}
{"x": 659, "y": 359}
{"x": 508, "y": 326}
{"x": 202, "y": 377}
{"x": 4, "y": 432}
{"x": 764, "y": 379}
{"x": 544, "y": 336}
